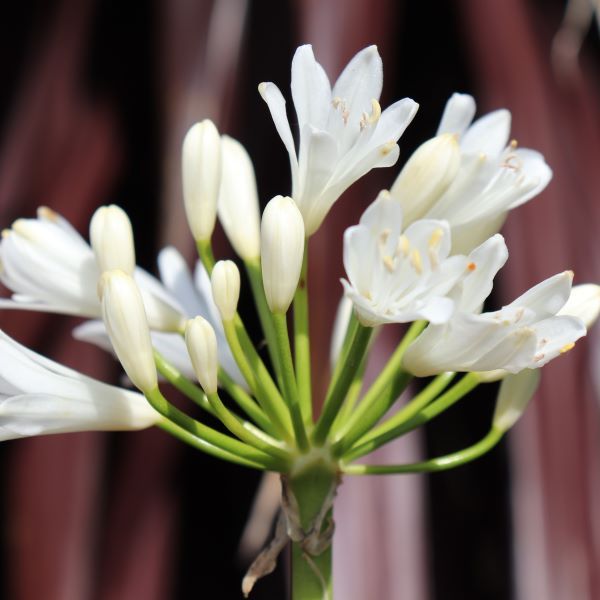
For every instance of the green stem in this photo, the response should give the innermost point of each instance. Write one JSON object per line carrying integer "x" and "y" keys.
{"x": 302, "y": 341}
{"x": 205, "y": 253}
{"x": 311, "y": 574}
{"x": 429, "y": 412}
{"x": 204, "y": 446}
{"x": 382, "y": 434}
{"x": 259, "y": 381}
{"x": 290, "y": 391}
{"x": 340, "y": 384}
{"x": 442, "y": 463}
{"x": 380, "y": 396}
{"x": 264, "y": 314}
{"x": 210, "y": 435}
{"x": 248, "y": 435}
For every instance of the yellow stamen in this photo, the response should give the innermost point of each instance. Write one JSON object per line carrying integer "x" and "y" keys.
{"x": 471, "y": 266}
{"x": 567, "y": 347}
{"x": 387, "y": 148}
{"x": 403, "y": 245}
{"x": 389, "y": 263}
{"x": 436, "y": 237}
{"x": 375, "y": 112}
{"x": 513, "y": 144}
{"x": 416, "y": 262}
{"x": 47, "y": 213}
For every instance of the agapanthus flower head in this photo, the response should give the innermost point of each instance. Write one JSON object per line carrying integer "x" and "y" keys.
{"x": 343, "y": 131}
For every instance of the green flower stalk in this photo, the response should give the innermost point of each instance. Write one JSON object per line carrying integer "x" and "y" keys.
{"x": 423, "y": 255}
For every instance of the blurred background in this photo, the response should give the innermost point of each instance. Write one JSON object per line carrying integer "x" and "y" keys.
{"x": 96, "y": 97}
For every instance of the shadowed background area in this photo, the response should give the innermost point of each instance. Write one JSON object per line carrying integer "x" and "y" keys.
{"x": 96, "y": 99}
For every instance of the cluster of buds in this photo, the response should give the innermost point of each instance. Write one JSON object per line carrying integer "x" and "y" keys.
{"x": 425, "y": 253}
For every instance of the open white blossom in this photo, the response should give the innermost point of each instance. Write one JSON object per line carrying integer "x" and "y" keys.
{"x": 494, "y": 175}
{"x": 396, "y": 276}
{"x": 49, "y": 267}
{"x": 343, "y": 131}
{"x": 39, "y": 396}
{"x": 526, "y": 334}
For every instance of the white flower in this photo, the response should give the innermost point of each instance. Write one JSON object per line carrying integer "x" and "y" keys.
{"x": 395, "y": 276}
{"x": 201, "y": 343}
{"x": 343, "y": 133}
{"x": 584, "y": 302}
{"x": 238, "y": 200}
{"x": 225, "y": 283}
{"x": 494, "y": 177}
{"x": 127, "y": 327}
{"x": 525, "y": 334}
{"x": 201, "y": 177}
{"x": 39, "y": 396}
{"x": 50, "y": 267}
{"x": 111, "y": 238}
{"x": 195, "y": 296}
{"x": 282, "y": 242}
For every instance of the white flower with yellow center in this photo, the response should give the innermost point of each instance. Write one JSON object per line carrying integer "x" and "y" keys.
{"x": 474, "y": 194}
{"x": 396, "y": 276}
{"x": 343, "y": 131}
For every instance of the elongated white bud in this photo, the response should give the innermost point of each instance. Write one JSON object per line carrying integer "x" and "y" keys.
{"x": 515, "y": 393}
{"x": 583, "y": 302}
{"x": 111, "y": 238}
{"x": 238, "y": 200}
{"x": 201, "y": 172}
{"x": 282, "y": 242}
{"x": 340, "y": 326}
{"x": 201, "y": 343}
{"x": 426, "y": 175}
{"x": 125, "y": 320}
{"x": 225, "y": 281}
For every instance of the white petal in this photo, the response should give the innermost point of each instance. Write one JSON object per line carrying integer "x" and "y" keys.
{"x": 393, "y": 123}
{"x": 93, "y": 332}
{"x": 584, "y": 302}
{"x": 513, "y": 353}
{"x": 547, "y": 297}
{"x": 556, "y": 335}
{"x": 515, "y": 393}
{"x": 384, "y": 213}
{"x": 275, "y": 101}
{"x": 177, "y": 278}
{"x": 311, "y": 90}
{"x": 488, "y": 135}
{"x": 458, "y": 114}
{"x": 340, "y": 326}
{"x": 468, "y": 235}
{"x": 534, "y": 168}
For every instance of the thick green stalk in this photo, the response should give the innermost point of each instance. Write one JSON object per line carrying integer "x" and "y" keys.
{"x": 340, "y": 384}
{"x": 264, "y": 314}
{"x": 210, "y": 435}
{"x": 442, "y": 463}
{"x": 380, "y": 396}
{"x": 432, "y": 410}
{"x": 205, "y": 253}
{"x": 302, "y": 341}
{"x": 313, "y": 487}
{"x": 290, "y": 391}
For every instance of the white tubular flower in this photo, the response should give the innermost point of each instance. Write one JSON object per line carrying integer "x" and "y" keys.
{"x": 111, "y": 238}
{"x": 513, "y": 397}
{"x": 526, "y": 334}
{"x": 194, "y": 293}
{"x": 49, "y": 267}
{"x": 125, "y": 320}
{"x": 398, "y": 277}
{"x": 282, "y": 241}
{"x": 340, "y": 326}
{"x": 201, "y": 343}
{"x": 494, "y": 176}
{"x": 343, "y": 132}
{"x": 584, "y": 302}
{"x": 225, "y": 280}
{"x": 238, "y": 207}
{"x": 201, "y": 175}
{"x": 39, "y": 397}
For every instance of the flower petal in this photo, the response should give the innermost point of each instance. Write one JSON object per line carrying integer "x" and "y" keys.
{"x": 458, "y": 114}
{"x": 547, "y": 297}
{"x": 488, "y": 134}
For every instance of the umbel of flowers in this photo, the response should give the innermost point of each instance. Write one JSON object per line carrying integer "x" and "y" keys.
{"x": 424, "y": 253}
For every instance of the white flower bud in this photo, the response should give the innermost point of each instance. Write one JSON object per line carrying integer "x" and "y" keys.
{"x": 515, "y": 393}
{"x": 111, "y": 238}
{"x": 127, "y": 327}
{"x": 201, "y": 172}
{"x": 340, "y": 327}
{"x": 225, "y": 281}
{"x": 282, "y": 243}
{"x": 238, "y": 200}
{"x": 426, "y": 175}
{"x": 201, "y": 343}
